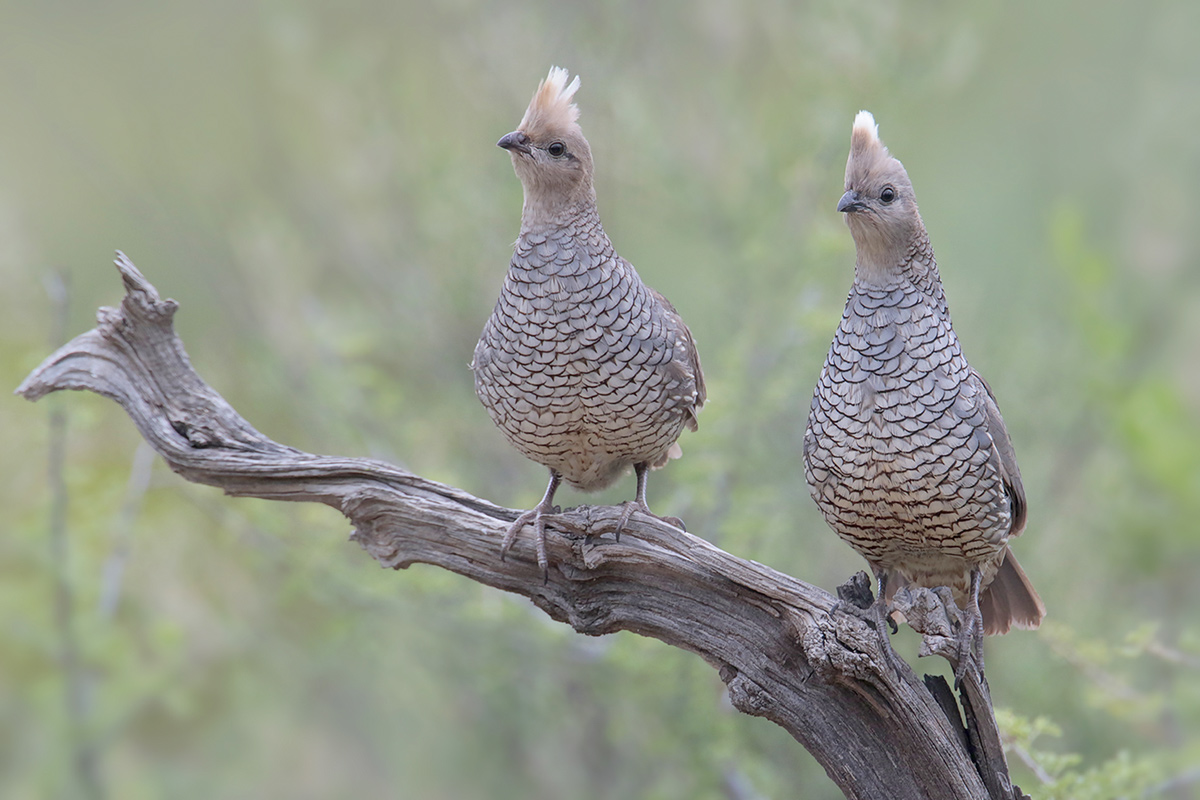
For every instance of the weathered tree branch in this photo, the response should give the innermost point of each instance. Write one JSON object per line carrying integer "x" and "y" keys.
{"x": 778, "y": 643}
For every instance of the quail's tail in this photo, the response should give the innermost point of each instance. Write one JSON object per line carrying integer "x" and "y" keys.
{"x": 1010, "y": 599}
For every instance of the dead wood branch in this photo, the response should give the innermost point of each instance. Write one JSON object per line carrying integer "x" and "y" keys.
{"x": 777, "y": 642}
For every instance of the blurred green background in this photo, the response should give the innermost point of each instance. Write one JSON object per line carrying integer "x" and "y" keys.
{"x": 319, "y": 188}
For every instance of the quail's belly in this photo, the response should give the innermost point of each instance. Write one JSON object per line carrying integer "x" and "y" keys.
{"x": 897, "y": 453}
{"x": 575, "y": 363}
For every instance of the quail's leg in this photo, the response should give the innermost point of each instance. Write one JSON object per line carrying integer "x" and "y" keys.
{"x": 639, "y": 503}
{"x": 537, "y": 516}
{"x": 970, "y": 632}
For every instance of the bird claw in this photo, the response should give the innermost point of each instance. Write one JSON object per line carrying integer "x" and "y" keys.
{"x": 970, "y": 634}
{"x": 675, "y": 522}
{"x": 626, "y": 512}
{"x": 629, "y": 506}
{"x": 537, "y": 515}
{"x": 970, "y": 647}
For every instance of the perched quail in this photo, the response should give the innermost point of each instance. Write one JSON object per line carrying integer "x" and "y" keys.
{"x": 905, "y": 452}
{"x": 584, "y": 368}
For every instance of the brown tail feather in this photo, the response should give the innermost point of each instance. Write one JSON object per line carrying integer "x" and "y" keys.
{"x": 1010, "y": 599}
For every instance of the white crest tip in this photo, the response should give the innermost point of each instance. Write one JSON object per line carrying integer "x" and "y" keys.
{"x": 551, "y": 106}
{"x": 557, "y": 78}
{"x": 864, "y": 121}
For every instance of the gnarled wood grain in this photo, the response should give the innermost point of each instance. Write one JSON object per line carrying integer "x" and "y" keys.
{"x": 777, "y": 642}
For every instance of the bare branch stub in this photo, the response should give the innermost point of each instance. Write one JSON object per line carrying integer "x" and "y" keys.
{"x": 784, "y": 656}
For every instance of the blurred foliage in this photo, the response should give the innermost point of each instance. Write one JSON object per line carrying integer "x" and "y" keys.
{"x": 1143, "y": 683}
{"x": 318, "y": 186}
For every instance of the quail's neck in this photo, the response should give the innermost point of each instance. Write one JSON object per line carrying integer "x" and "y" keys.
{"x": 883, "y": 260}
{"x": 912, "y": 264}
{"x": 538, "y": 216}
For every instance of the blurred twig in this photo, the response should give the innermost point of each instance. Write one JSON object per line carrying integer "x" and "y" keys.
{"x": 1171, "y": 655}
{"x": 1064, "y": 645}
{"x": 737, "y": 785}
{"x": 1032, "y": 763}
{"x": 114, "y": 566}
{"x": 1178, "y": 784}
{"x": 83, "y": 754}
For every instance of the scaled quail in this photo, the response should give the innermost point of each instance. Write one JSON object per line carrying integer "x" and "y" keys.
{"x": 905, "y": 452}
{"x": 583, "y": 367}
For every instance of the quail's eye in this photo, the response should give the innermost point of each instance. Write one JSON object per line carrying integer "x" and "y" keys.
{"x": 887, "y": 195}
{"x": 556, "y": 149}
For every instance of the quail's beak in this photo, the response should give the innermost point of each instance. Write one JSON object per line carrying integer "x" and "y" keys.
{"x": 851, "y": 201}
{"x": 515, "y": 141}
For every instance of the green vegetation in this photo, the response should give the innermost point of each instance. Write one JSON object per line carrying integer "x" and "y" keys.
{"x": 319, "y": 189}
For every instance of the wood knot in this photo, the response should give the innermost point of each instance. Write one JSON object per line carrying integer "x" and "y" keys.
{"x": 747, "y": 696}
{"x": 857, "y": 591}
